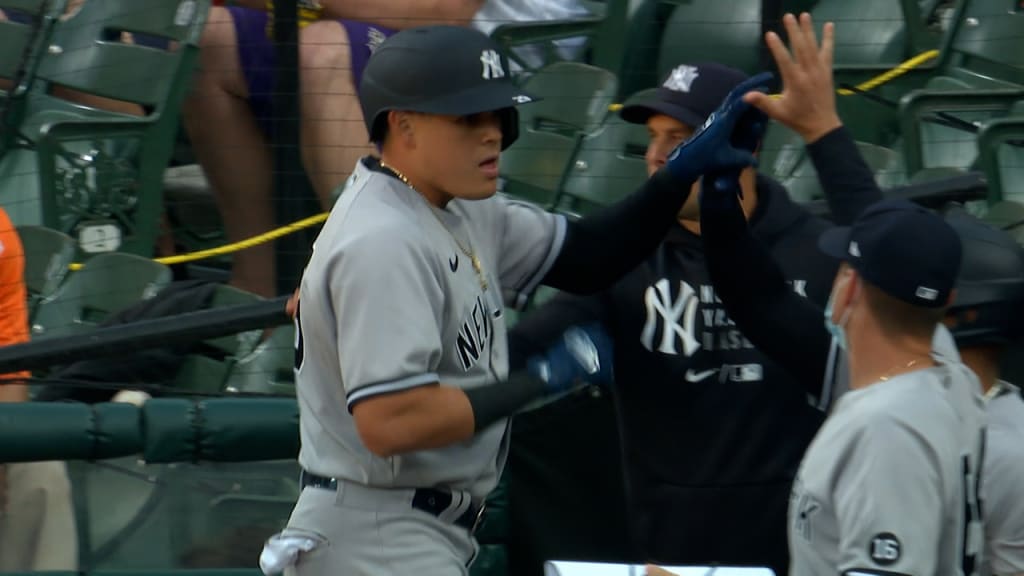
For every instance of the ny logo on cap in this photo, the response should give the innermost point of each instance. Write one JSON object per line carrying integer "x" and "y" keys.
{"x": 681, "y": 78}
{"x": 492, "y": 65}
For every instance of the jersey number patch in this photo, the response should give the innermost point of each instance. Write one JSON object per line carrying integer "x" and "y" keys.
{"x": 885, "y": 549}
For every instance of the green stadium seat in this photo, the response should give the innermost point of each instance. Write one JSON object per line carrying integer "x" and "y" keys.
{"x": 1001, "y": 155}
{"x": 574, "y": 98}
{"x": 21, "y": 44}
{"x": 107, "y": 284}
{"x": 48, "y": 253}
{"x": 534, "y": 168}
{"x": 207, "y": 370}
{"x": 599, "y": 28}
{"x": 269, "y": 369}
{"x": 989, "y": 45}
{"x": 801, "y": 179}
{"x": 98, "y": 172}
{"x": 1007, "y": 215}
{"x": 609, "y": 165}
{"x": 930, "y": 142}
{"x": 875, "y": 33}
{"x": 712, "y": 31}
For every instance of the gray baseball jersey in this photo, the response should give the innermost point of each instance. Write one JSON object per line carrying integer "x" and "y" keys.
{"x": 390, "y": 302}
{"x": 1003, "y": 482}
{"x": 889, "y": 483}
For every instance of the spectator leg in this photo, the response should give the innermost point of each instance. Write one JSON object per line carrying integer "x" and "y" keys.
{"x": 333, "y": 134}
{"x": 38, "y": 531}
{"x": 233, "y": 152}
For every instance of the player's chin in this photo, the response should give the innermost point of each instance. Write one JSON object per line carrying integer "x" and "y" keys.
{"x": 479, "y": 189}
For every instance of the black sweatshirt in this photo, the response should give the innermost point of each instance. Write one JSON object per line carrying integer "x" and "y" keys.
{"x": 713, "y": 431}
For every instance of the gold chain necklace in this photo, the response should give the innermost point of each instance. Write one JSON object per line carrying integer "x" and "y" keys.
{"x": 469, "y": 252}
{"x": 885, "y": 377}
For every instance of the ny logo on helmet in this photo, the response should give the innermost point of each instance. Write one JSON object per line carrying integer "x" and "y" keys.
{"x": 492, "y": 65}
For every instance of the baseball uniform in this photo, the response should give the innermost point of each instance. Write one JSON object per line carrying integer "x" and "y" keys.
{"x": 390, "y": 302}
{"x": 1002, "y": 485}
{"x": 892, "y": 473}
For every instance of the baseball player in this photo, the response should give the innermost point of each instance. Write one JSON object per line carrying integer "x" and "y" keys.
{"x": 401, "y": 369}
{"x": 890, "y": 482}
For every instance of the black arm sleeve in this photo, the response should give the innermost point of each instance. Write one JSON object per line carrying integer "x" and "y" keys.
{"x": 602, "y": 247}
{"x": 787, "y": 327}
{"x": 845, "y": 177}
{"x": 498, "y": 400}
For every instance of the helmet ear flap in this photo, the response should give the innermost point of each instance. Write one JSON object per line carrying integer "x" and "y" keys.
{"x": 509, "y": 126}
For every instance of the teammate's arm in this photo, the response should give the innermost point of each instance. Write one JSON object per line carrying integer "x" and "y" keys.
{"x": 787, "y": 327}
{"x": 888, "y": 500}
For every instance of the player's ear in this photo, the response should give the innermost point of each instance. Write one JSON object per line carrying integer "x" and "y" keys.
{"x": 400, "y": 125}
{"x": 853, "y": 291}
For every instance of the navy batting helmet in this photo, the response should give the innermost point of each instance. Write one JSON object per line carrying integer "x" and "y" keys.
{"x": 989, "y": 304}
{"x": 440, "y": 70}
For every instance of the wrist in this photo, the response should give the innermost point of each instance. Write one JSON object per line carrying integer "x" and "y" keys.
{"x": 818, "y": 130}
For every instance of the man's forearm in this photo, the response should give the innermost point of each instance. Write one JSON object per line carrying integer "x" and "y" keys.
{"x": 436, "y": 416}
{"x": 602, "y": 247}
{"x": 847, "y": 180}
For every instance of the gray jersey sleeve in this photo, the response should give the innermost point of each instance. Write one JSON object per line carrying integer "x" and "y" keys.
{"x": 1002, "y": 483}
{"x": 888, "y": 502}
{"x": 387, "y": 301}
{"x": 530, "y": 241}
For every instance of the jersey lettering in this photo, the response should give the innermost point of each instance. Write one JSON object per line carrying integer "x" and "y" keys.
{"x": 299, "y": 348}
{"x": 970, "y": 543}
{"x": 474, "y": 335}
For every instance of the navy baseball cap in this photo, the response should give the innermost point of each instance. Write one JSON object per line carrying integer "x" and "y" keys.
{"x": 689, "y": 94}
{"x": 440, "y": 69}
{"x": 907, "y": 251}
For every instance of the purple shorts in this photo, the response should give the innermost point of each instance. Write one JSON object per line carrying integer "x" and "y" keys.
{"x": 257, "y": 56}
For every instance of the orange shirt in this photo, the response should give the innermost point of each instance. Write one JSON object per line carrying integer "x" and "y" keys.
{"x": 13, "y": 293}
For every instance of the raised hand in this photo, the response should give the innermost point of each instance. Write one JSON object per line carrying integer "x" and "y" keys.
{"x": 807, "y": 104}
{"x": 713, "y": 148}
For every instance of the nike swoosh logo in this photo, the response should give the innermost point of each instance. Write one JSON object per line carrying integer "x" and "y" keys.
{"x": 454, "y": 263}
{"x": 692, "y": 376}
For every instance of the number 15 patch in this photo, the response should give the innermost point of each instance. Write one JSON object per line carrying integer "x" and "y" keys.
{"x": 884, "y": 549}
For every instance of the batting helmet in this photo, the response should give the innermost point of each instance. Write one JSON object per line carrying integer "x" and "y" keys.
{"x": 440, "y": 70}
{"x": 989, "y": 304}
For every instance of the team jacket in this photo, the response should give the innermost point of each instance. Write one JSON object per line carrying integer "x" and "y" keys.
{"x": 713, "y": 431}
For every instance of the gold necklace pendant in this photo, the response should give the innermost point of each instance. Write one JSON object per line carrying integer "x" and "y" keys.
{"x": 470, "y": 253}
{"x": 479, "y": 271}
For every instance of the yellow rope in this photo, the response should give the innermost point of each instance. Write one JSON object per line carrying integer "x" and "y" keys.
{"x": 894, "y": 73}
{"x": 875, "y": 82}
{"x": 236, "y": 246}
